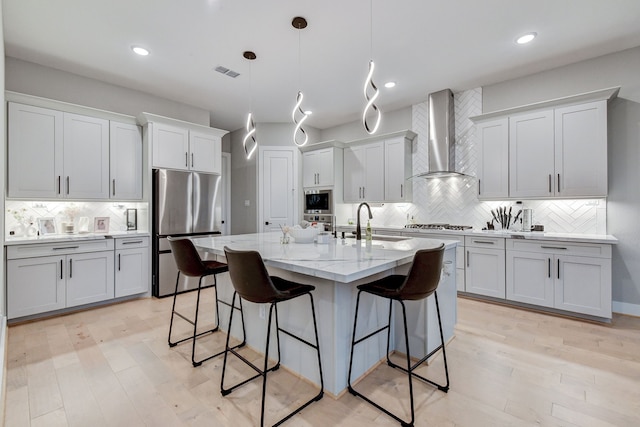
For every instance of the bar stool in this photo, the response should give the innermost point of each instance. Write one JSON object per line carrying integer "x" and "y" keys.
{"x": 252, "y": 282}
{"x": 421, "y": 282}
{"x": 190, "y": 264}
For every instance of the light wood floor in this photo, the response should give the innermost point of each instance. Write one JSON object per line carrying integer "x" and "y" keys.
{"x": 112, "y": 367}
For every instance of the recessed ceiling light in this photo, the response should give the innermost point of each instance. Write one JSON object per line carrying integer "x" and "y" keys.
{"x": 389, "y": 85}
{"x": 140, "y": 50}
{"x": 526, "y": 38}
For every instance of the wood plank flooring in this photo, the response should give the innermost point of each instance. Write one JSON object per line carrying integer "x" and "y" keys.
{"x": 112, "y": 367}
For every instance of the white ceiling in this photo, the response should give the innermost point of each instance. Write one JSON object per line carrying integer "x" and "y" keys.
{"x": 424, "y": 45}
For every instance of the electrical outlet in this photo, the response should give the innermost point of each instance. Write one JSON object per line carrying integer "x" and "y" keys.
{"x": 263, "y": 312}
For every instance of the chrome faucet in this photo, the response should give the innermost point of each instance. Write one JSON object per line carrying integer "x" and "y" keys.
{"x": 358, "y": 230}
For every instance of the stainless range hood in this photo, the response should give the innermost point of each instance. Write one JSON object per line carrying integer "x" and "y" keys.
{"x": 441, "y": 140}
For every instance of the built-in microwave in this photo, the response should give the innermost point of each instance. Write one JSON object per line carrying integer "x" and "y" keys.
{"x": 318, "y": 201}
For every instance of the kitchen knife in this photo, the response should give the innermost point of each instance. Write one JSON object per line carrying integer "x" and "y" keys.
{"x": 493, "y": 214}
{"x": 509, "y": 217}
{"x": 517, "y": 216}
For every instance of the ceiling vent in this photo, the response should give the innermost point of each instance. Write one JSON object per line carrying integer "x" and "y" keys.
{"x": 226, "y": 71}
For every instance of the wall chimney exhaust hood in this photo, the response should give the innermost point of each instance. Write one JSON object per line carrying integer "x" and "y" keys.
{"x": 441, "y": 138}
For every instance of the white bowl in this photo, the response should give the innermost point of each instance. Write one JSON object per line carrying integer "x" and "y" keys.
{"x": 304, "y": 235}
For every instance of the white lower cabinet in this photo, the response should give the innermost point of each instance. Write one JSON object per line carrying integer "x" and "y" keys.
{"x": 574, "y": 277}
{"x": 89, "y": 277}
{"x": 51, "y": 276}
{"x": 131, "y": 266}
{"x": 484, "y": 266}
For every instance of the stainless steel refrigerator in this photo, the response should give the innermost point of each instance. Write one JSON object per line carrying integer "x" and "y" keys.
{"x": 183, "y": 205}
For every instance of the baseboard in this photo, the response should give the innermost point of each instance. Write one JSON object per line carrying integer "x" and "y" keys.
{"x": 3, "y": 366}
{"x": 626, "y": 308}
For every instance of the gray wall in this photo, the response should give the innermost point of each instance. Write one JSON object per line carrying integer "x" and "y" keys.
{"x": 623, "y": 204}
{"x": 392, "y": 121}
{"x": 244, "y": 172}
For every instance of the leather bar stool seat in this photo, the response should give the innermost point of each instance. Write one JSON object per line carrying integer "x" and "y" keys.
{"x": 421, "y": 282}
{"x": 191, "y": 264}
{"x": 252, "y": 283}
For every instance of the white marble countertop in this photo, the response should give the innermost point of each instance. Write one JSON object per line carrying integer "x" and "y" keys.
{"x": 57, "y": 238}
{"x": 339, "y": 260}
{"x": 532, "y": 235}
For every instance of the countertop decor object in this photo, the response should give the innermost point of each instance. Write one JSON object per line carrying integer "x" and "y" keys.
{"x": 101, "y": 224}
{"x": 47, "y": 225}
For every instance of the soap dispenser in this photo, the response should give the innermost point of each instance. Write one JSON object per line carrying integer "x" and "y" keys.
{"x": 368, "y": 235}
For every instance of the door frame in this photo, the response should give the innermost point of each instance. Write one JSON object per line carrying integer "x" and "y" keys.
{"x": 226, "y": 203}
{"x": 296, "y": 181}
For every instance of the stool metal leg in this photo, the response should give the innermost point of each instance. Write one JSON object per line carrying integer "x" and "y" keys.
{"x": 194, "y": 322}
{"x": 273, "y": 312}
{"x": 410, "y": 368}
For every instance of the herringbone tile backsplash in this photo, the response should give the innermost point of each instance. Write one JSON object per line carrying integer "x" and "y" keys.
{"x": 454, "y": 201}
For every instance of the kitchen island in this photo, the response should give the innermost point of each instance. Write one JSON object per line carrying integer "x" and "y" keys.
{"x": 336, "y": 268}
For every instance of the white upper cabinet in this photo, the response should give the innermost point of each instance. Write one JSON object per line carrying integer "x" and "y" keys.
{"x": 125, "y": 146}
{"x": 86, "y": 157}
{"x": 318, "y": 167}
{"x": 531, "y": 154}
{"x": 170, "y": 146}
{"x": 63, "y": 154}
{"x": 581, "y": 150}
{"x": 364, "y": 173}
{"x": 205, "y": 152}
{"x": 398, "y": 167}
{"x": 34, "y": 152}
{"x": 181, "y": 145}
{"x": 493, "y": 158}
{"x": 54, "y": 154}
{"x": 556, "y": 149}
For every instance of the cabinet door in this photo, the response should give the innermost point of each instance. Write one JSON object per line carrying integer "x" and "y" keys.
{"x": 583, "y": 285}
{"x": 131, "y": 271}
{"x": 35, "y": 285}
{"x": 485, "y": 273}
{"x": 89, "y": 277}
{"x": 397, "y": 168}
{"x": 310, "y": 169}
{"x": 493, "y": 158}
{"x": 353, "y": 174}
{"x": 581, "y": 150}
{"x": 205, "y": 152}
{"x": 86, "y": 157}
{"x": 324, "y": 167}
{"x": 125, "y": 147}
{"x": 531, "y": 154}
{"x": 373, "y": 186}
{"x": 170, "y": 146}
{"x": 34, "y": 152}
{"x": 530, "y": 278}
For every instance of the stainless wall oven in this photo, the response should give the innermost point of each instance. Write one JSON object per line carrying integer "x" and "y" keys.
{"x": 318, "y": 201}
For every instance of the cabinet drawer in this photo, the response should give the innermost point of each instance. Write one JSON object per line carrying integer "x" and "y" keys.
{"x": 561, "y": 248}
{"x": 58, "y": 248}
{"x": 484, "y": 242}
{"x": 132, "y": 242}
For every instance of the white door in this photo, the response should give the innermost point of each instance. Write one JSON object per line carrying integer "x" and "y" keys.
{"x": 205, "y": 152}
{"x": 277, "y": 188}
{"x": 493, "y": 158}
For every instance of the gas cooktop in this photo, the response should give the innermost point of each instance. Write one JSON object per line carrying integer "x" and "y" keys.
{"x": 438, "y": 227}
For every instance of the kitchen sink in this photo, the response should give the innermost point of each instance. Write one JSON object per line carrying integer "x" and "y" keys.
{"x": 382, "y": 238}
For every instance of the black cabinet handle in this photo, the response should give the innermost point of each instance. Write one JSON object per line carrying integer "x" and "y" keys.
{"x": 401, "y": 191}
{"x": 132, "y": 242}
{"x": 467, "y": 258}
{"x": 67, "y": 185}
{"x": 550, "y": 183}
{"x": 114, "y": 187}
{"x": 60, "y": 269}
{"x": 558, "y": 183}
{"x": 266, "y": 223}
{"x": 186, "y": 159}
{"x": 118, "y": 262}
{"x": 558, "y": 268}
{"x": 65, "y": 247}
{"x": 549, "y": 267}
{"x": 70, "y": 268}
{"x": 479, "y": 187}
{"x": 553, "y": 247}
{"x": 191, "y": 159}
{"x": 59, "y": 184}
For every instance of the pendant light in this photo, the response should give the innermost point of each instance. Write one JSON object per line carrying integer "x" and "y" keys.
{"x": 249, "y": 142}
{"x": 369, "y": 84}
{"x": 298, "y": 115}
